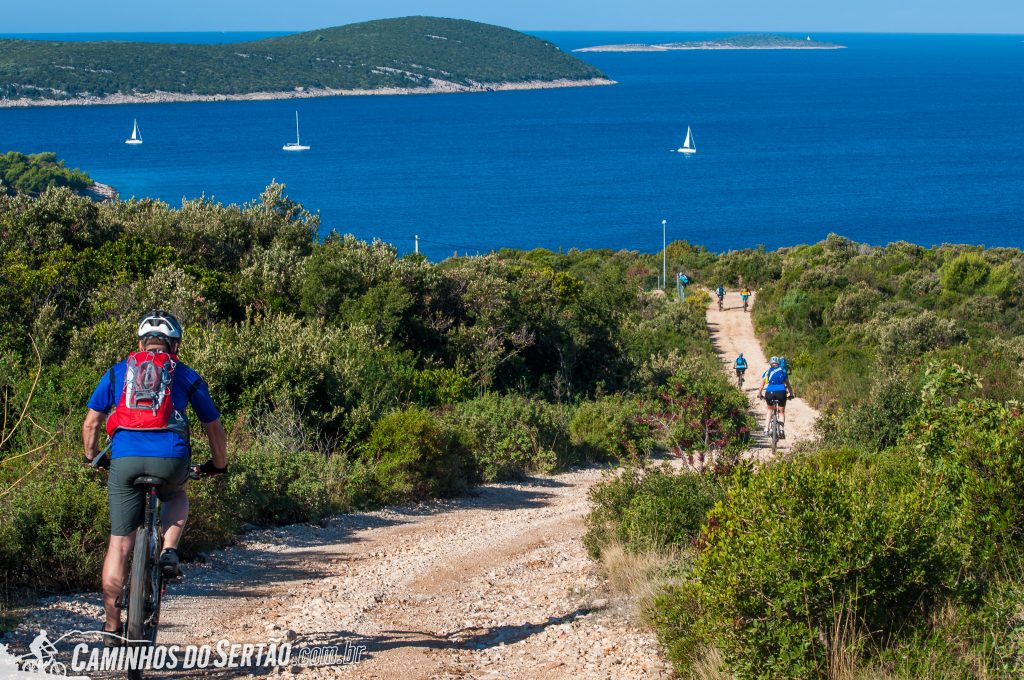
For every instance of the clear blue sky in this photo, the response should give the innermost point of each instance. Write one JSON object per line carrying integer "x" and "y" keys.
{"x": 918, "y": 16}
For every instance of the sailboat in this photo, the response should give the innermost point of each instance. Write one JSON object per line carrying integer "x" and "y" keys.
{"x": 136, "y": 137}
{"x": 688, "y": 145}
{"x": 297, "y": 145}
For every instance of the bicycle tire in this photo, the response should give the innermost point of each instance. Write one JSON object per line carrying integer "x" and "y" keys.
{"x": 138, "y": 584}
{"x": 774, "y": 430}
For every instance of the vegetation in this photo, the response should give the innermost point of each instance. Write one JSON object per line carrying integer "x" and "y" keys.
{"x": 389, "y": 53}
{"x": 754, "y": 41}
{"x": 347, "y": 376}
{"x": 35, "y": 173}
{"x": 892, "y": 547}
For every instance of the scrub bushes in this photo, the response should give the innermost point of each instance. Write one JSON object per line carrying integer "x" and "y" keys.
{"x": 646, "y": 510}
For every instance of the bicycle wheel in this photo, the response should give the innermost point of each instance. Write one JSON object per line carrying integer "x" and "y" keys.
{"x": 138, "y": 587}
{"x": 138, "y": 584}
{"x": 773, "y": 428}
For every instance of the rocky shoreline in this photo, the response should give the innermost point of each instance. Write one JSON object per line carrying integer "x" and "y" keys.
{"x": 677, "y": 48}
{"x": 436, "y": 87}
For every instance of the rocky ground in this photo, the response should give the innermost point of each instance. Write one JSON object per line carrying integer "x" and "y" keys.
{"x": 497, "y": 585}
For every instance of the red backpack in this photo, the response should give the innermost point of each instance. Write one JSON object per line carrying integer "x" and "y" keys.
{"x": 145, "y": 402}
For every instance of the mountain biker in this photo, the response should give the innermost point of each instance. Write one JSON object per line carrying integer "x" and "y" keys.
{"x": 140, "y": 448}
{"x": 720, "y": 292}
{"x": 745, "y": 296}
{"x": 741, "y": 366}
{"x": 774, "y": 390}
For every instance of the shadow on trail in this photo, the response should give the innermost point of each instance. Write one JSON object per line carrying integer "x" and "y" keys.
{"x": 466, "y": 639}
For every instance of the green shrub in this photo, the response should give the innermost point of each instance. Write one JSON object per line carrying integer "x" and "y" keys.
{"x": 610, "y": 429}
{"x": 649, "y": 510}
{"x": 509, "y": 436}
{"x": 269, "y": 486}
{"x": 798, "y": 549}
{"x": 412, "y": 458}
{"x": 53, "y": 525}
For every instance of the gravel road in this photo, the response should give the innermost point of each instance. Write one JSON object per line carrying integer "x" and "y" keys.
{"x": 732, "y": 332}
{"x": 496, "y": 585}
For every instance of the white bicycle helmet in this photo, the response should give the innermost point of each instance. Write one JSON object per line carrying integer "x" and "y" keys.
{"x": 158, "y": 323}
{"x": 773, "y": 360}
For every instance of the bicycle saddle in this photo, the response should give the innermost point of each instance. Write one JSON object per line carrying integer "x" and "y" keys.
{"x": 149, "y": 481}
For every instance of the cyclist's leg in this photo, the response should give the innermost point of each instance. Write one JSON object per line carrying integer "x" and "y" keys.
{"x": 173, "y": 498}
{"x": 126, "y": 504}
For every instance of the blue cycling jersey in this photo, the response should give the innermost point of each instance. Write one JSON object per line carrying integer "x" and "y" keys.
{"x": 775, "y": 379}
{"x": 187, "y": 388}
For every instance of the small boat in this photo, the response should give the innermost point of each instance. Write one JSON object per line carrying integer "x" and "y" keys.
{"x": 688, "y": 145}
{"x": 297, "y": 145}
{"x": 136, "y": 137}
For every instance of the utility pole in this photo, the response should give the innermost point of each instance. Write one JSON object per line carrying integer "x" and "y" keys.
{"x": 664, "y": 270}
{"x": 417, "y": 237}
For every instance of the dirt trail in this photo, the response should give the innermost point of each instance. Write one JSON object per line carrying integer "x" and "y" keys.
{"x": 497, "y": 585}
{"x": 732, "y": 332}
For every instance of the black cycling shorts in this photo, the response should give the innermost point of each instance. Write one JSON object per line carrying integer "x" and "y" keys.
{"x": 776, "y": 398}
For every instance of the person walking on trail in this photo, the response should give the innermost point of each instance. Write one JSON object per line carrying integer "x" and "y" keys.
{"x": 149, "y": 393}
{"x": 774, "y": 390}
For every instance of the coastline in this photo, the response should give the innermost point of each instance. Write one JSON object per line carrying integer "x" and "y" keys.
{"x": 436, "y": 87}
{"x": 668, "y": 48}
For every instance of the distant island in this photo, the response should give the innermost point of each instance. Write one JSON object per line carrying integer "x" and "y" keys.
{"x": 753, "y": 41}
{"x": 411, "y": 55}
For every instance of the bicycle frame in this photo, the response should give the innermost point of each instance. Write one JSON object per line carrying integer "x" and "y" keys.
{"x": 145, "y": 586}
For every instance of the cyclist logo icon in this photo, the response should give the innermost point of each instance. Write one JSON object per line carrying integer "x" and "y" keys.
{"x": 40, "y": 662}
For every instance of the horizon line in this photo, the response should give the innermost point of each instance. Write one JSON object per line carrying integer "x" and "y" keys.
{"x": 539, "y": 30}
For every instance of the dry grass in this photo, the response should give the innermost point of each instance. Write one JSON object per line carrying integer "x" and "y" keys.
{"x": 637, "y": 577}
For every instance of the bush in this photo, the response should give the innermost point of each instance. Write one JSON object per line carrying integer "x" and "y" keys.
{"x": 798, "y": 550}
{"x": 649, "y": 510}
{"x": 510, "y": 436}
{"x": 53, "y": 525}
{"x": 411, "y": 458}
{"x": 610, "y": 429}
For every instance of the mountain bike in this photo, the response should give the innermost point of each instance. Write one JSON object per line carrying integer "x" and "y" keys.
{"x": 143, "y": 592}
{"x": 739, "y": 377}
{"x": 745, "y": 304}
{"x": 773, "y": 426}
{"x": 721, "y": 307}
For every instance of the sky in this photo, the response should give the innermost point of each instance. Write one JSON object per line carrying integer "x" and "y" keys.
{"x": 911, "y": 16}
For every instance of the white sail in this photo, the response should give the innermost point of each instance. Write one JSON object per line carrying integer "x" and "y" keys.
{"x": 688, "y": 145}
{"x": 297, "y": 144}
{"x": 136, "y": 137}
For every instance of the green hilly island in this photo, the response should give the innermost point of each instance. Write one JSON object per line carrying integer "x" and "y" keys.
{"x": 412, "y": 53}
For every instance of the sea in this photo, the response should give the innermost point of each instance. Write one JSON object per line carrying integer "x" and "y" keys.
{"x": 897, "y": 137}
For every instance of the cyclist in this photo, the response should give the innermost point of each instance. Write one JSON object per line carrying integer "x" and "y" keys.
{"x": 745, "y": 296}
{"x": 774, "y": 390}
{"x": 720, "y": 292}
{"x": 141, "y": 446}
{"x": 741, "y": 367}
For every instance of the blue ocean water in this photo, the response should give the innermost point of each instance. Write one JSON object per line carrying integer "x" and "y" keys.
{"x": 912, "y": 137}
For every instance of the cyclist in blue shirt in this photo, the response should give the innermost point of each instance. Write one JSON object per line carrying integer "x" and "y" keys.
{"x": 720, "y": 292}
{"x": 741, "y": 367}
{"x": 163, "y": 453}
{"x": 774, "y": 390}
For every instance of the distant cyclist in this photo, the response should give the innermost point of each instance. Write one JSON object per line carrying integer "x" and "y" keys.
{"x": 745, "y": 296}
{"x": 149, "y": 393}
{"x": 741, "y": 367}
{"x": 774, "y": 390}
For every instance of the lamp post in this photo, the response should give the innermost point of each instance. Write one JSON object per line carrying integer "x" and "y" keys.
{"x": 664, "y": 270}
